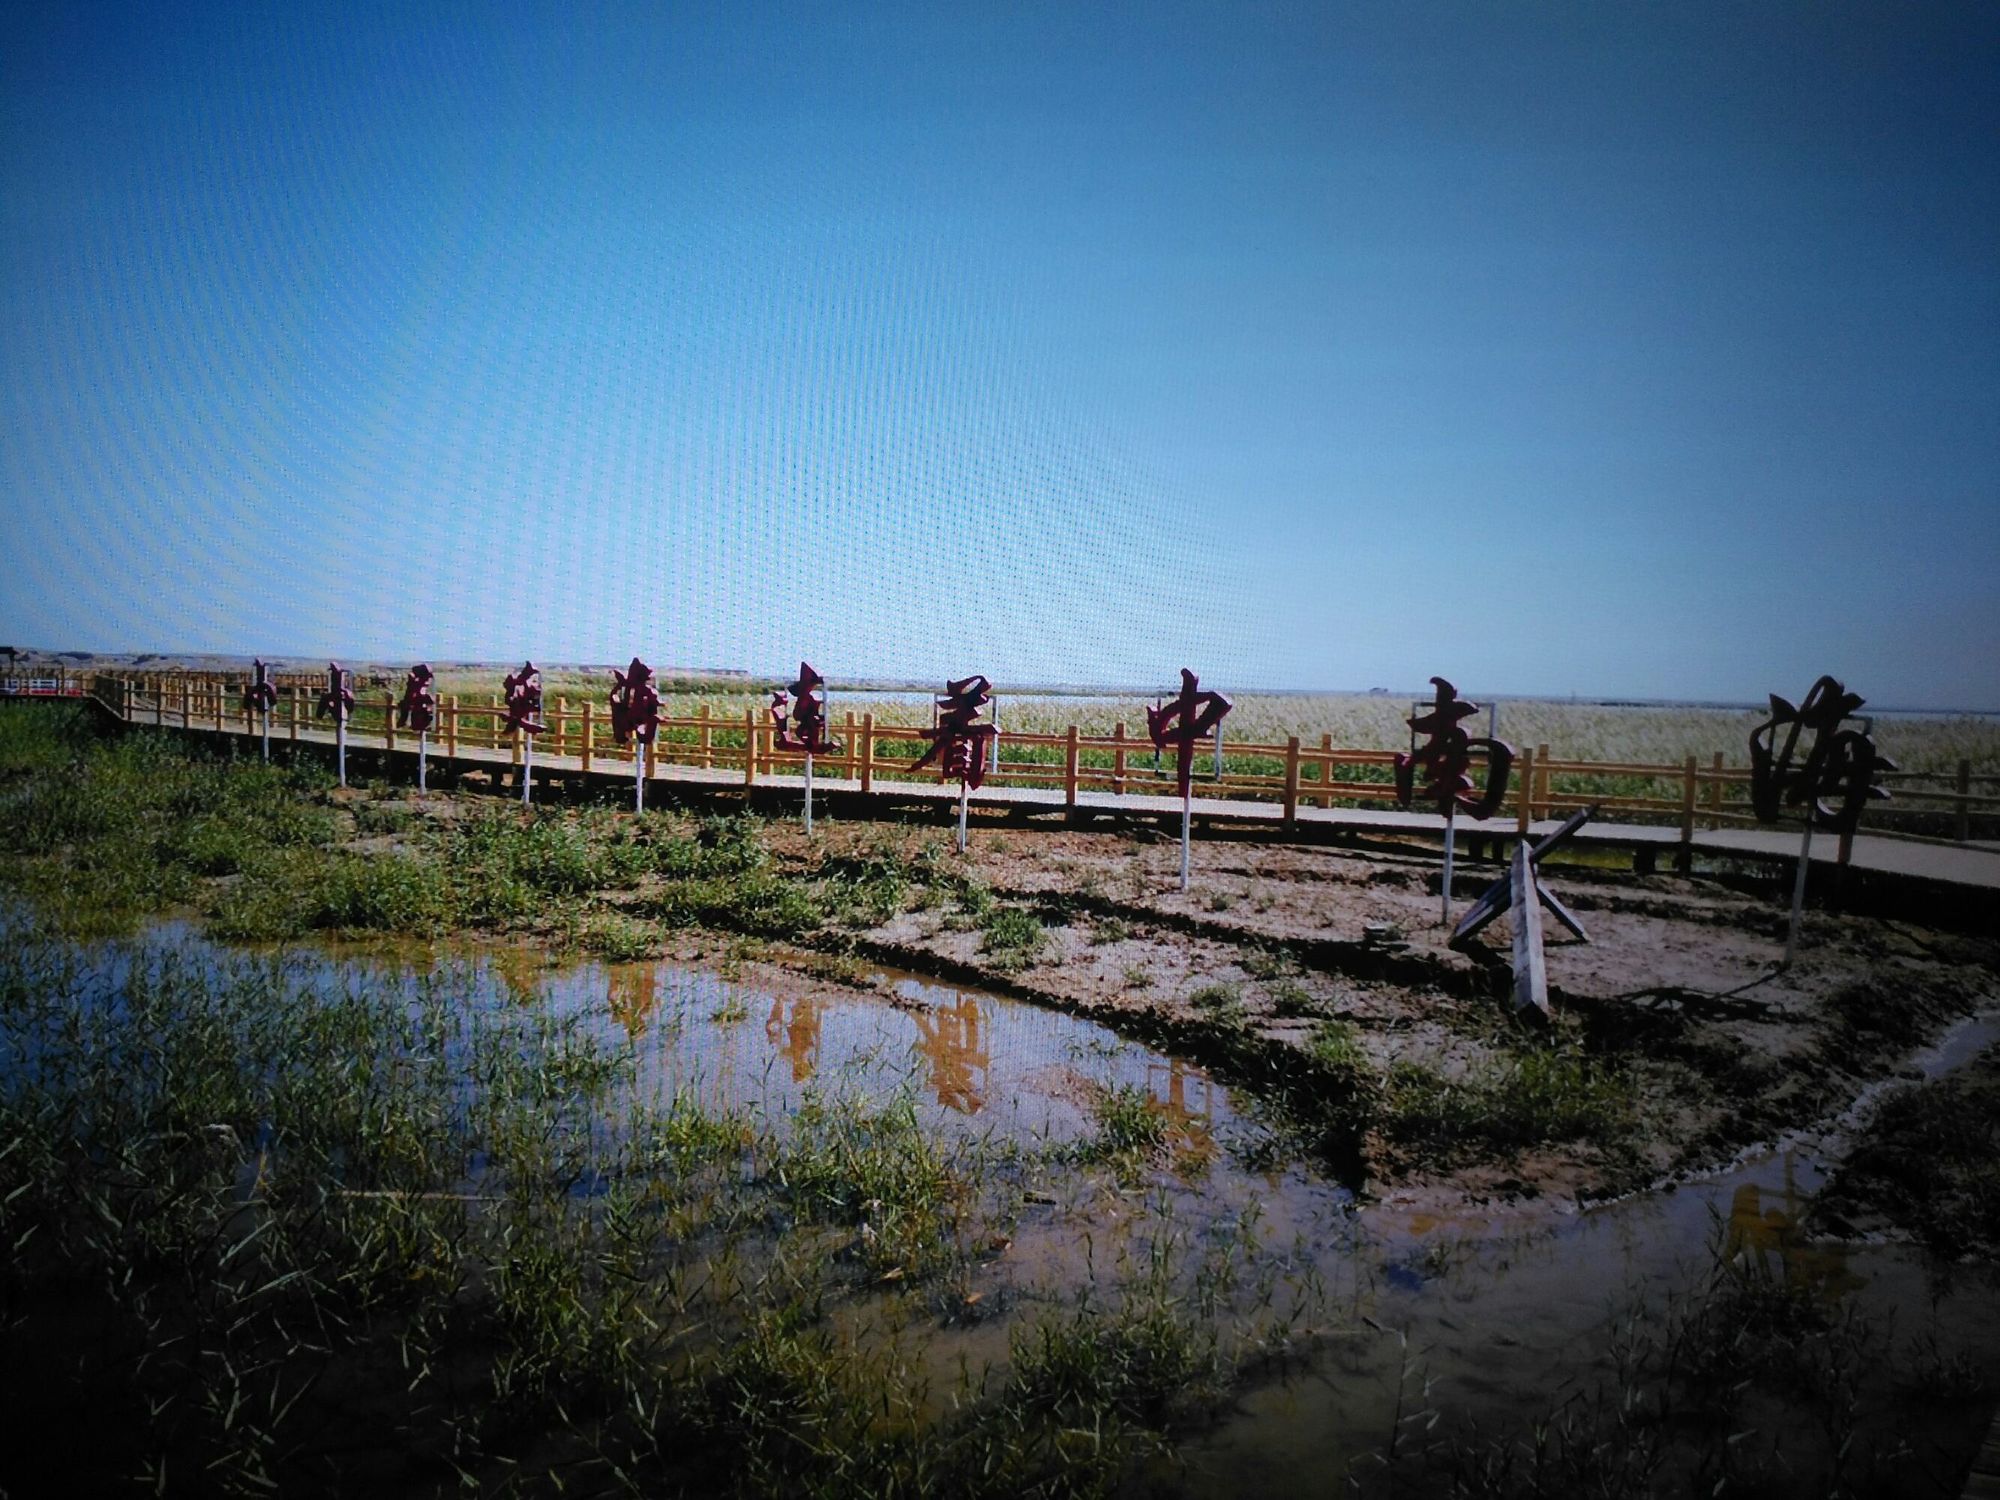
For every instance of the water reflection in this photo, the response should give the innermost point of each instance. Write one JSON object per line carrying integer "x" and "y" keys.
{"x": 1763, "y": 1233}
{"x": 796, "y": 1035}
{"x": 949, "y": 1040}
{"x": 634, "y": 994}
{"x": 1187, "y": 1105}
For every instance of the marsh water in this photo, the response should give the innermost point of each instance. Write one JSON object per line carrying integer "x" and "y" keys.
{"x": 1405, "y": 1327}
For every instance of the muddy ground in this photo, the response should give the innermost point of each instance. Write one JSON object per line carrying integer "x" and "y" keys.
{"x": 1320, "y": 980}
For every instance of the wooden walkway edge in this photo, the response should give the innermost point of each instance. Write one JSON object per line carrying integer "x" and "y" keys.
{"x": 1973, "y": 867}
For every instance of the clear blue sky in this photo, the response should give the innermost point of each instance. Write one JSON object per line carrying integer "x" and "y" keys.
{"x": 1625, "y": 348}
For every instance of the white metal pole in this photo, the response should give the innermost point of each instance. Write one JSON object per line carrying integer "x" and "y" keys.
{"x": 267, "y": 734}
{"x": 1187, "y": 830}
{"x": 809, "y": 791}
{"x": 993, "y": 744}
{"x": 1218, "y": 749}
{"x": 527, "y": 767}
{"x": 638, "y": 774}
{"x": 423, "y": 759}
{"x": 340, "y": 743}
{"x": 1799, "y": 889}
{"x": 1450, "y": 840}
{"x": 964, "y": 792}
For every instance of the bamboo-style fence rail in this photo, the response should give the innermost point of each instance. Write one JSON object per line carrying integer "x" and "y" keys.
{"x": 1696, "y": 793}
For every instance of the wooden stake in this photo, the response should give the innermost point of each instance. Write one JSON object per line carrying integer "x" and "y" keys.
{"x": 1531, "y": 975}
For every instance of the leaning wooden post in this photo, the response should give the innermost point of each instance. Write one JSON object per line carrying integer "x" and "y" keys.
{"x": 1684, "y": 861}
{"x": 749, "y": 747}
{"x": 1531, "y": 975}
{"x": 1964, "y": 785}
{"x": 867, "y": 752}
{"x": 1291, "y": 779}
{"x": 1069, "y": 769}
{"x": 707, "y": 743}
{"x": 588, "y": 733}
{"x": 1118, "y": 759}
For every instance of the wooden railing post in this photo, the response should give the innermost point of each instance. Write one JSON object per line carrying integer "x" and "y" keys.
{"x": 294, "y": 715}
{"x": 1964, "y": 785}
{"x": 389, "y": 722}
{"x": 451, "y": 728}
{"x": 707, "y": 744}
{"x": 849, "y": 741}
{"x": 587, "y": 734}
{"x": 1542, "y": 778}
{"x": 1118, "y": 759}
{"x": 218, "y": 705}
{"x": 1069, "y": 769}
{"x": 1715, "y": 789}
{"x": 1684, "y": 861}
{"x": 1326, "y": 770}
{"x": 1524, "y": 799}
{"x": 749, "y": 747}
{"x": 867, "y": 752}
{"x": 159, "y": 703}
{"x": 1291, "y": 780}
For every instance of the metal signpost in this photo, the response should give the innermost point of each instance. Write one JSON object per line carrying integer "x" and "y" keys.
{"x": 801, "y": 725}
{"x": 524, "y": 707}
{"x": 337, "y": 701}
{"x": 1841, "y": 763}
{"x": 258, "y": 697}
{"x": 959, "y": 741}
{"x": 635, "y": 715}
{"x": 1446, "y": 759}
{"x": 418, "y": 711}
{"x": 1183, "y": 723}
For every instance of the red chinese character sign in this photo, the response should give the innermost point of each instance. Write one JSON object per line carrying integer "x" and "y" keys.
{"x": 260, "y": 697}
{"x": 798, "y": 716}
{"x": 336, "y": 701}
{"x": 417, "y": 709}
{"x": 1445, "y": 759}
{"x": 1833, "y": 783}
{"x": 959, "y": 739}
{"x": 523, "y": 699}
{"x": 1183, "y": 724}
{"x": 635, "y": 715}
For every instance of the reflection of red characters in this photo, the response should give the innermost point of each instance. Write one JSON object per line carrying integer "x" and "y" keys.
{"x": 259, "y": 697}
{"x": 1446, "y": 759}
{"x": 1841, "y": 762}
{"x": 801, "y": 721}
{"x": 635, "y": 704}
{"x": 1184, "y": 722}
{"x": 524, "y": 699}
{"x": 958, "y": 741}
{"x": 337, "y": 701}
{"x": 418, "y": 708}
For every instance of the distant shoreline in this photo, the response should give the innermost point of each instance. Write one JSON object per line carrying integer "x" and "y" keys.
{"x": 210, "y": 661}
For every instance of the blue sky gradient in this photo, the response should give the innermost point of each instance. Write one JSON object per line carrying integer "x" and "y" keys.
{"x": 1609, "y": 349}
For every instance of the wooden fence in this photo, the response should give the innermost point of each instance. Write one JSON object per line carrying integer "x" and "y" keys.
{"x": 1695, "y": 793}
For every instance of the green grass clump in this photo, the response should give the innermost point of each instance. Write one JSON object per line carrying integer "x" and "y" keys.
{"x": 879, "y": 1170}
{"x": 1013, "y": 937}
{"x": 1147, "y": 1364}
{"x": 1221, "y": 1003}
{"x": 1523, "y": 1099}
{"x": 1127, "y": 1121}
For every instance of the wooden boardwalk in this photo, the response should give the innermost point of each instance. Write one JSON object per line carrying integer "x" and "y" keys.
{"x": 1971, "y": 867}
